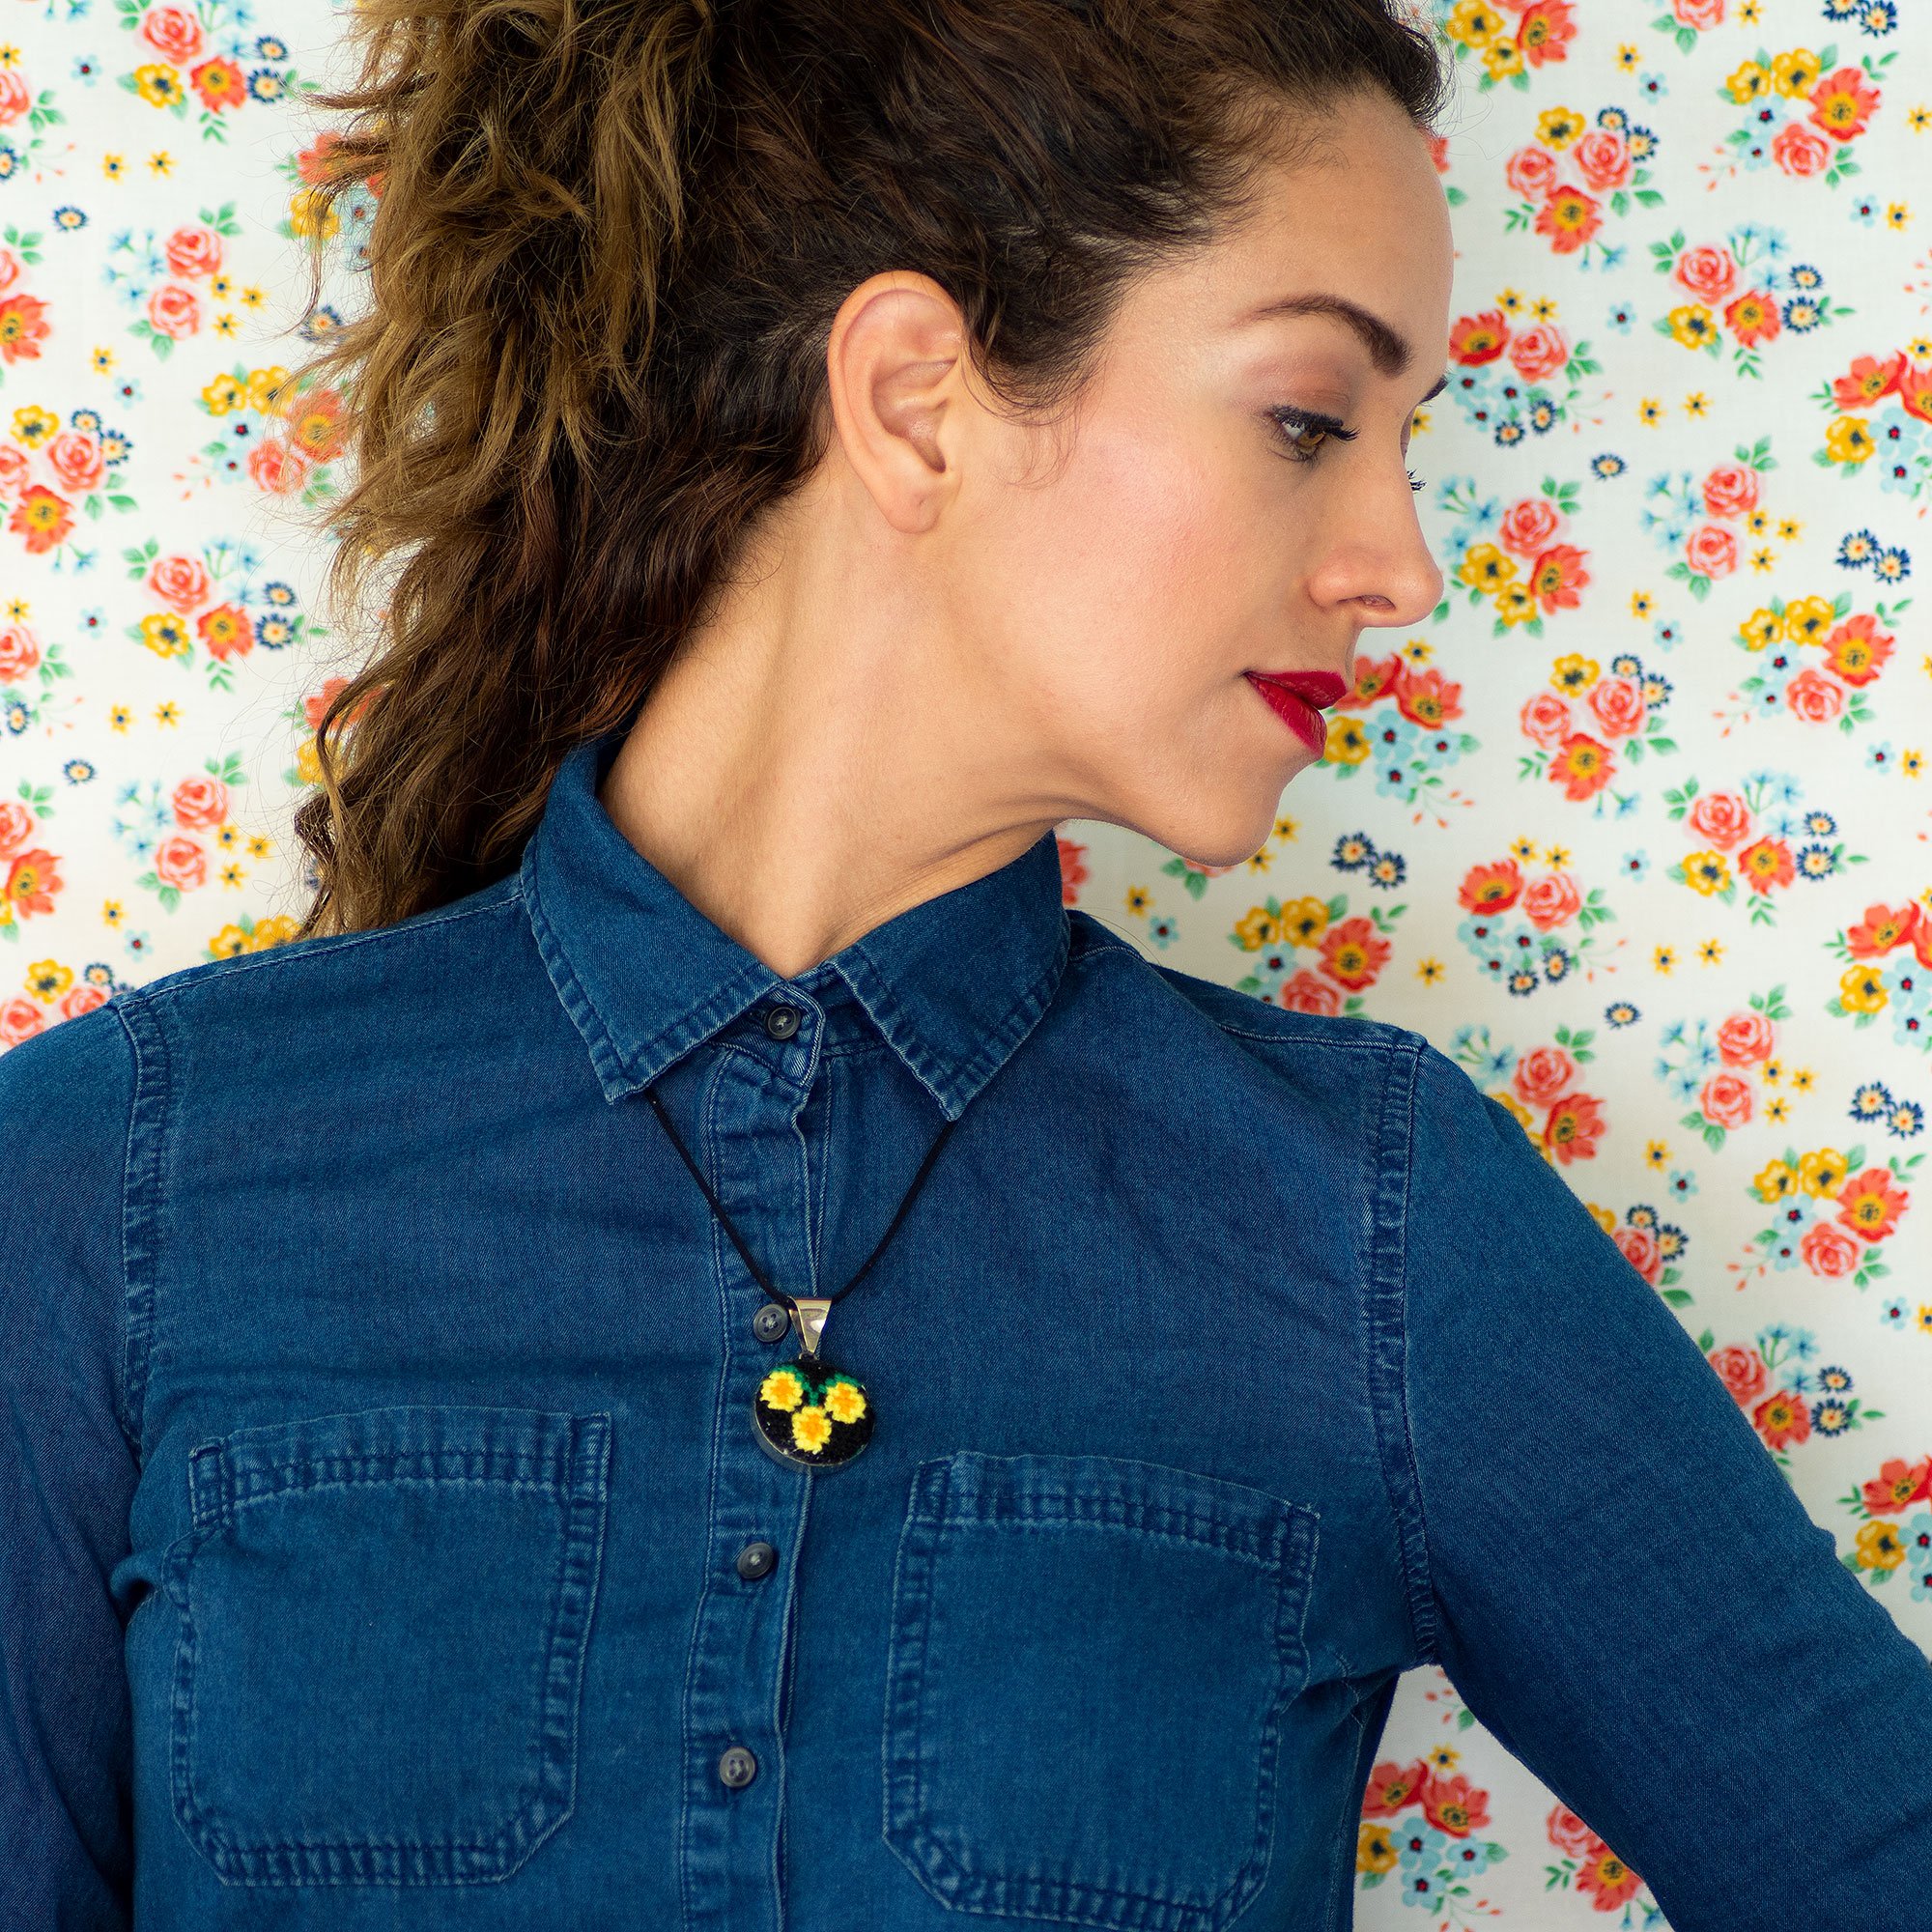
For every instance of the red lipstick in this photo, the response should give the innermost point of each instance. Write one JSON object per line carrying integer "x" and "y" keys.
{"x": 1297, "y": 697}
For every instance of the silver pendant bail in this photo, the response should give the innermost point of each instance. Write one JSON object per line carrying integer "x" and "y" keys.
{"x": 808, "y": 1311}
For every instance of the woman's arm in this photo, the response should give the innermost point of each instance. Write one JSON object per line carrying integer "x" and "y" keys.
{"x": 66, "y": 1474}
{"x": 1622, "y": 1585}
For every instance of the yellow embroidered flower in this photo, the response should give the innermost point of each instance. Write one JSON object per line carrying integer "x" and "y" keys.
{"x": 812, "y": 1429}
{"x": 783, "y": 1388}
{"x": 844, "y": 1402}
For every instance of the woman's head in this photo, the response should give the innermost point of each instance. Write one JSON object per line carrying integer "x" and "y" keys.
{"x": 613, "y": 249}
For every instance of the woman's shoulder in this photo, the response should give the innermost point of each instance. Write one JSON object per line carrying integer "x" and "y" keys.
{"x": 1226, "y": 1009}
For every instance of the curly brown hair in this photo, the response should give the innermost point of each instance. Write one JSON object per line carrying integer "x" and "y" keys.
{"x": 609, "y": 241}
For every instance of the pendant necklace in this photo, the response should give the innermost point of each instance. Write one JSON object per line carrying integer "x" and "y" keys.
{"x": 806, "y": 1412}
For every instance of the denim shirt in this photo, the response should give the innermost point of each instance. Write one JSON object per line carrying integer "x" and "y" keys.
{"x": 387, "y": 1542}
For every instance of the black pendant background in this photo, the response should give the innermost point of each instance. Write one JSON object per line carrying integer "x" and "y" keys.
{"x": 847, "y": 1438}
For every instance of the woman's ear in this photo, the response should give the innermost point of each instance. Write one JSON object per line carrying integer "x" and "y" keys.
{"x": 897, "y": 367}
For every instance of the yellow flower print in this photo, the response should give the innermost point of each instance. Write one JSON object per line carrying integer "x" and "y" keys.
{"x": 1374, "y": 1849}
{"x": 165, "y": 634}
{"x": 1849, "y": 440}
{"x": 1822, "y": 1172}
{"x": 1861, "y": 990}
{"x": 1761, "y": 628}
{"x": 783, "y": 1388}
{"x": 1475, "y": 23}
{"x": 1558, "y": 126}
{"x": 1574, "y": 674}
{"x": 1257, "y": 928}
{"x": 844, "y": 1402}
{"x": 812, "y": 1429}
{"x": 1775, "y": 1182}
{"x": 1707, "y": 873}
{"x": 1347, "y": 743}
{"x": 1304, "y": 921}
{"x": 1796, "y": 73}
{"x": 1747, "y": 82}
{"x": 1484, "y": 567}
{"x": 1516, "y": 604}
{"x": 1693, "y": 324}
{"x": 1879, "y": 1547}
{"x": 157, "y": 85}
{"x": 1808, "y": 618}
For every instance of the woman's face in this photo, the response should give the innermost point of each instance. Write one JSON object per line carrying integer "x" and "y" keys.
{"x": 1111, "y": 580}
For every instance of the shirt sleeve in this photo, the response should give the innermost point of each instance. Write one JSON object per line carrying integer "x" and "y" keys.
{"x": 1624, "y": 1587}
{"x": 67, "y": 1475}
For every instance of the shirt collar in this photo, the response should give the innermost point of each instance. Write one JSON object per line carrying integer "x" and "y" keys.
{"x": 954, "y": 983}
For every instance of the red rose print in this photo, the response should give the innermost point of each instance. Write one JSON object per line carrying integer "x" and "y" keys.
{"x": 1532, "y": 172}
{"x": 1744, "y": 1038}
{"x": 19, "y": 1019}
{"x": 1742, "y": 1371}
{"x": 1730, "y": 490}
{"x": 200, "y": 801}
{"x": 1707, "y": 273}
{"x": 19, "y": 653}
{"x": 76, "y": 457}
{"x": 1727, "y": 1101}
{"x": 194, "y": 251}
{"x": 1308, "y": 993}
{"x": 179, "y": 582}
{"x": 278, "y": 468}
{"x": 1619, "y": 706}
{"x": 180, "y": 861}
{"x": 1528, "y": 526}
{"x": 1603, "y": 157}
{"x": 1829, "y": 1252}
{"x": 1800, "y": 150}
{"x": 1545, "y": 719}
{"x": 1537, "y": 350}
{"x": 1639, "y": 1248}
{"x": 176, "y": 36}
{"x": 1551, "y": 900}
{"x": 1813, "y": 696}
{"x": 1541, "y": 1074}
{"x": 1721, "y": 818}
{"x": 1712, "y": 551}
{"x": 173, "y": 311}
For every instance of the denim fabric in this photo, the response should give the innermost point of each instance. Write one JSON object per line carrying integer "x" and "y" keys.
{"x": 377, "y": 1451}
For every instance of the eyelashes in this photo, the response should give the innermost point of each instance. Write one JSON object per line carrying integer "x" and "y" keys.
{"x": 1288, "y": 418}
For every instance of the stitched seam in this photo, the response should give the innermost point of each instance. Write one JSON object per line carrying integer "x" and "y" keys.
{"x": 148, "y": 1125}
{"x": 1390, "y": 1160}
{"x": 319, "y": 949}
{"x": 125, "y": 1417}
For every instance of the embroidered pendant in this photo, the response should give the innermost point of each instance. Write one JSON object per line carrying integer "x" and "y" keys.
{"x": 806, "y": 1412}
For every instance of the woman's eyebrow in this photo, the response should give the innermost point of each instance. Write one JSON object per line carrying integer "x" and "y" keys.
{"x": 1388, "y": 348}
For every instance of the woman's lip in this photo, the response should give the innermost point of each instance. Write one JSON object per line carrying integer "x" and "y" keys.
{"x": 1321, "y": 688}
{"x": 1294, "y": 711}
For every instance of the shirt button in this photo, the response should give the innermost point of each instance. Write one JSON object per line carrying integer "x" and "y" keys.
{"x": 782, "y": 1022}
{"x": 737, "y": 1766}
{"x": 756, "y": 1559}
{"x": 771, "y": 1322}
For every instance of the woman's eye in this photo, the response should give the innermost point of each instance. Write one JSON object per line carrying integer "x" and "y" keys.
{"x": 1293, "y": 424}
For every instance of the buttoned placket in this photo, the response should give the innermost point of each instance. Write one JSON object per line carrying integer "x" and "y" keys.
{"x": 755, "y": 1158}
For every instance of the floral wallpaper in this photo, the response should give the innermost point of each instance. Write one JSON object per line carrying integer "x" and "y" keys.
{"x": 1632, "y": 827}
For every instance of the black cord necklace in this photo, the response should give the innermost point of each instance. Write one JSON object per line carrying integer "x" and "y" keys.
{"x": 806, "y": 1412}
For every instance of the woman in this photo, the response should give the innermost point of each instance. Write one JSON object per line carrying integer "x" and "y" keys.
{"x": 466, "y": 1467}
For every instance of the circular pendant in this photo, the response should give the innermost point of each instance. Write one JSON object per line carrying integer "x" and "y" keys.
{"x": 811, "y": 1415}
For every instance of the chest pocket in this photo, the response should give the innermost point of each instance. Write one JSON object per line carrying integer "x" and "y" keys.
{"x": 1087, "y": 1667}
{"x": 383, "y": 1622}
